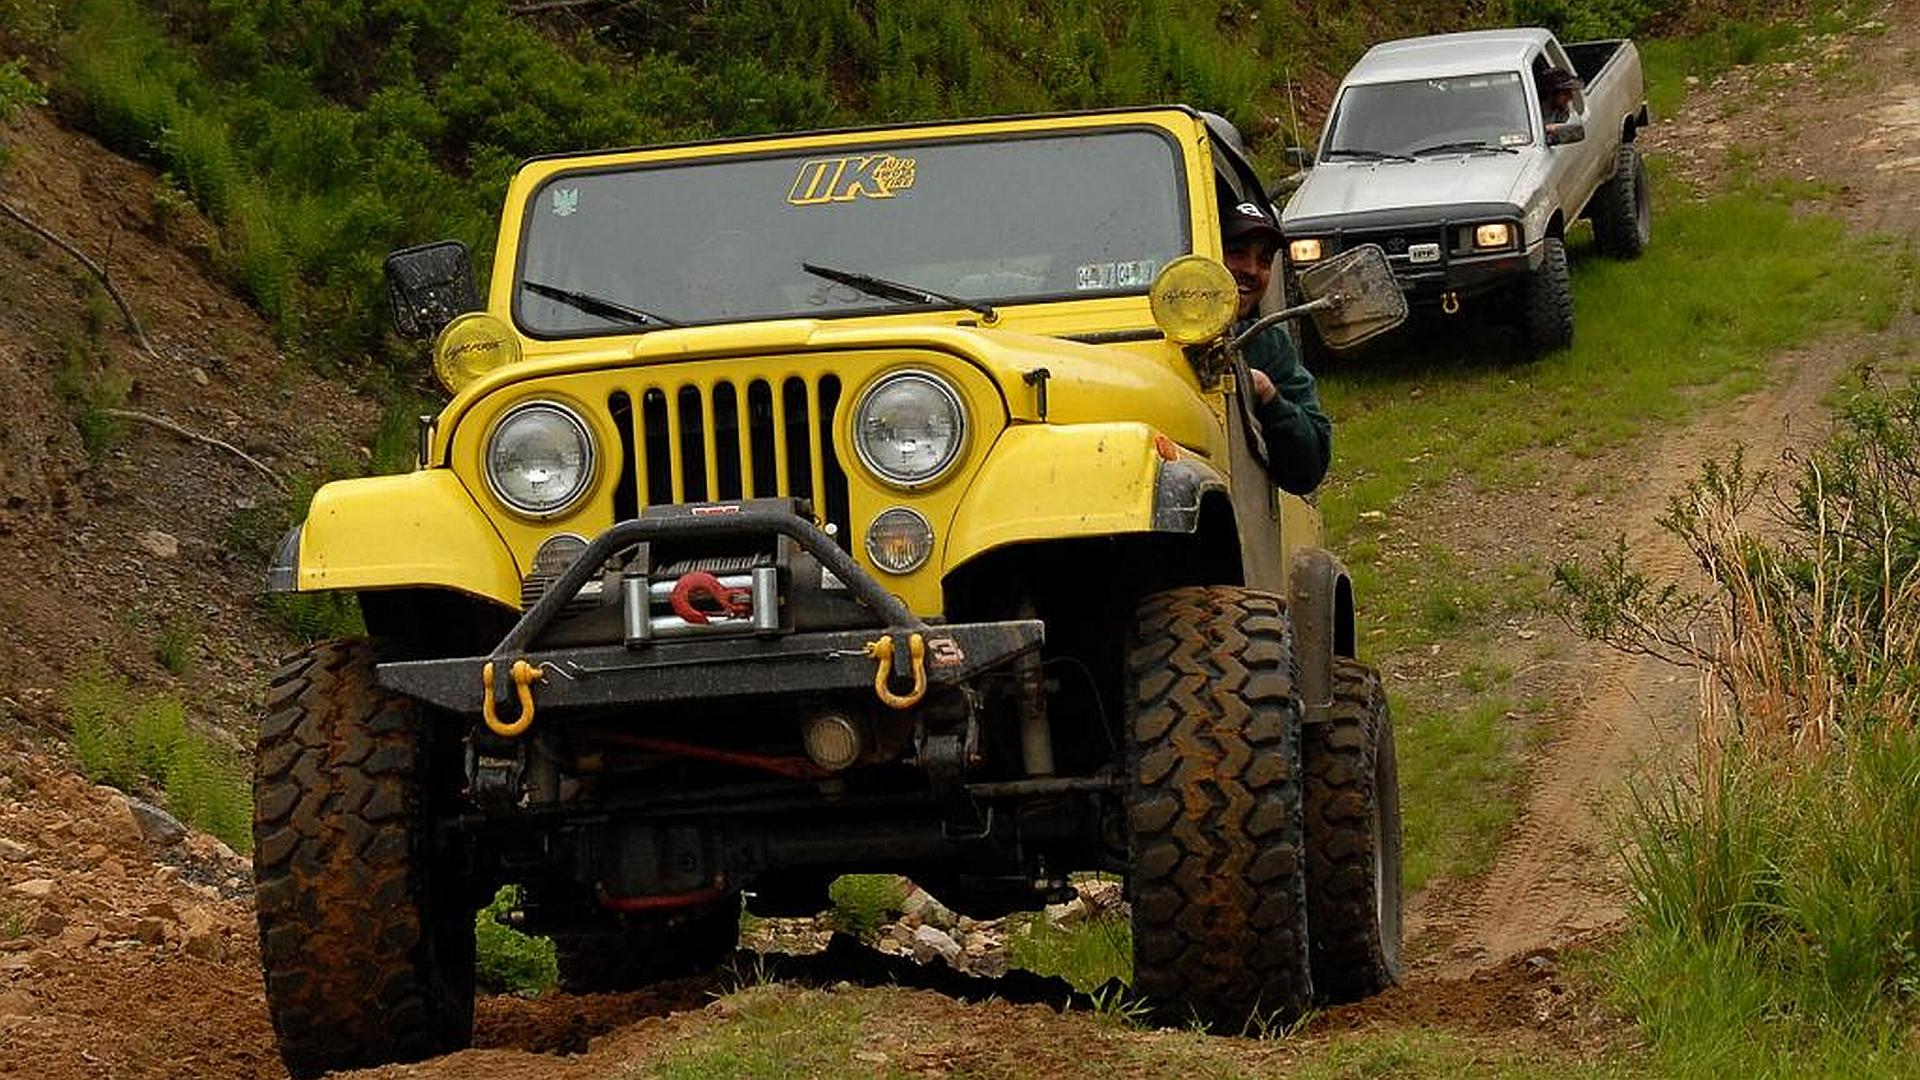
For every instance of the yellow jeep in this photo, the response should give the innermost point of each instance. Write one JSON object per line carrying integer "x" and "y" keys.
{"x": 874, "y": 500}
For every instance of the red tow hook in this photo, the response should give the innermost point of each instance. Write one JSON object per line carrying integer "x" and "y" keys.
{"x": 735, "y": 603}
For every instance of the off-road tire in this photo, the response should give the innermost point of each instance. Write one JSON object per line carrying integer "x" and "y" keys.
{"x": 1214, "y": 819}
{"x": 1353, "y": 840}
{"x": 1546, "y": 309}
{"x": 1623, "y": 209}
{"x": 366, "y": 939}
{"x": 643, "y": 950}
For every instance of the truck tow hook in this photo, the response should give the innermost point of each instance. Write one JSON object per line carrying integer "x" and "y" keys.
{"x": 1450, "y": 302}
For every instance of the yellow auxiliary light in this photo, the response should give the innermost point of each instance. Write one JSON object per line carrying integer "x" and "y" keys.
{"x": 1493, "y": 236}
{"x": 1305, "y": 251}
{"x": 1193, "y": 299}
{"x": 471, "y": 346}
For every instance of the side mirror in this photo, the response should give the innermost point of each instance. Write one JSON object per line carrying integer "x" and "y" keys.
{"x": 1298, "y": 157}
{"x": 1571, "y": 132}
{"x": 427, "y": 286}
{"x": 1366, "y": 299}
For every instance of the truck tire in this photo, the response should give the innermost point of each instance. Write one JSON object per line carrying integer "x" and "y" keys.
{"x": 1353, "y": 840}
{"x": 1623, "y": 208}
{"x": 366, "y": 936}
{"x": 642, "y": 950}
{"x": 1546, "y": 310}
{"x": 1214, "y": 819}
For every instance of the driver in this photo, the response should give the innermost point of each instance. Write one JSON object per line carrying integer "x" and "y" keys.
{"x": 1557, "y": 87}
{"x": 1299, "y": 436}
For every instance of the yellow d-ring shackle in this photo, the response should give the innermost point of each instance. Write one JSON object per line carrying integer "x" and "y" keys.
{"x": 524, "y": 675}
{"x": 882, "y": 653}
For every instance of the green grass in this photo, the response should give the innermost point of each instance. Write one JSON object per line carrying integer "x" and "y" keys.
{"x": 1086, "y": 953}
{"x": 506, "y": 960}
{"x": 1777, "y": 918}
{"x": 1728, "y": 284}
{"x": 143, "y": 744}
{"x": 862, "y": 903}
{"x": 1759, "y": 36}
{"x": 176, "y": 643}
{"x": 91, "y": 387}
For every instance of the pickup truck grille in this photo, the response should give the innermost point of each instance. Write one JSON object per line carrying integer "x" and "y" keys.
{"x": 713, "y": 440}
{"x": 1397, "y": 242}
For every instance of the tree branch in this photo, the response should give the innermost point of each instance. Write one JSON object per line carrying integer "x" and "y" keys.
{"x": 113, "y": 291}
{"x": 168, "y": 425}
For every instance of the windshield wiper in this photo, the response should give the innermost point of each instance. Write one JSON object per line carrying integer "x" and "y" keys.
{"x": 1364, "y": 154}
{"x": 1470, "y": 144}
{"x": 597, "y": 305}
{"x": 895, "y": 290}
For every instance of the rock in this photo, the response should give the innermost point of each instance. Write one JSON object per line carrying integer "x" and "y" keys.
{"x": 76, "y": 936}
{"x": 198, "y": 375}
{"x": 150, "y": 932}
{"x": 33, "y": 889}
{"x": 122, "y": 824}
{"x": 1073, "y": 911}
{"x": 1542, "y": 965}
{"x": 158, "y": 544}
{"x": 15, "y": 1005}
{"x": 14, "y": 851}
{"x": 921, "y": 905}
{"x": 163, "y": 910}
{"x": 930, "y": 942}
{"x": 158, "y": 827}
{"x": 49, "y": 923}
{"x": 1102, "y": 897}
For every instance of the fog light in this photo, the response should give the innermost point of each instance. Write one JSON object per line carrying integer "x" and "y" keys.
{"x": 899, "y": 541}
{"x": 1493, "y": 236}
{"x": 1304, "y": 251}
{"x": 833, "y": 742}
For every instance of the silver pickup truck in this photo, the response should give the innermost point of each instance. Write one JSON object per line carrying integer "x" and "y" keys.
{"x": 1453, "y": 153}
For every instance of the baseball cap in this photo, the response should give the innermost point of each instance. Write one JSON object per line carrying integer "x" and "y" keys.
{"x": 1245, "y": 220}
{"x": 1557, "y": 79}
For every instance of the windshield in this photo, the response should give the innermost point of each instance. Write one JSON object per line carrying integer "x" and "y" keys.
{"x": 1456, "y": 112}
{"x": 1055, "y": 217}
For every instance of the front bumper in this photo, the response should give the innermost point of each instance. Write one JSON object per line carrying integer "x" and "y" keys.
{"x": 1429, "y": 248}
{"x": 781, "y": 662}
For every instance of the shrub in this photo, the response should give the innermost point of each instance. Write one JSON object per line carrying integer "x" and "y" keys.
{"x": 862, "y": 903}
{"x": 508, "y": 961}
{"x": 1777, "y": 887}
{"x": 138, "y": 743}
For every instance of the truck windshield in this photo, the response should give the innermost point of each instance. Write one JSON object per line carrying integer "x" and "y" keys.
{"x": 1067, "y": 216}
{"x": 1459, "y": 111}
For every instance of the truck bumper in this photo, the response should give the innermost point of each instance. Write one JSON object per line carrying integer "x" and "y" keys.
{"x": 766, "y": 662}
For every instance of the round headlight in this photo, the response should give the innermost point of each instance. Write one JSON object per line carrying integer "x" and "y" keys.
{"x": 909, "y": 428}
{"x": 1193, "y": 299}
{"x": 539, "y": 458}
{"x": 899, "y": 541}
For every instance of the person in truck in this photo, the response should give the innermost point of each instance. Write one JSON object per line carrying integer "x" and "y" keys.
{"x": 1298, "y": 436}
{"x": 1557, "y": 89}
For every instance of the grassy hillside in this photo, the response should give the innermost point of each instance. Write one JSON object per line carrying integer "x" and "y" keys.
{"x": 319, "y": 135}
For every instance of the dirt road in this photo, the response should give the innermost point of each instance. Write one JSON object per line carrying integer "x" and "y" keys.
{"x": 125, "y": 956}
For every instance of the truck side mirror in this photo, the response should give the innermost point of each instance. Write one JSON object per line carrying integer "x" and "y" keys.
{"x": 1571, "y": 132}
{"x": 1297, "y": 156}
{"x": 427, "y": 286}
{"x": 1354, "y": 296}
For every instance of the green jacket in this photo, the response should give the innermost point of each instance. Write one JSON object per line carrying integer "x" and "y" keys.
{"x": 1299, "y": 436}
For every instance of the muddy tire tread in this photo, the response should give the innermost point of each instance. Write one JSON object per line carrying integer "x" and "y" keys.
{"x": 1351, "y": 959}
{"x": 1218, "y": 879}
{"x": 356, "y": 971}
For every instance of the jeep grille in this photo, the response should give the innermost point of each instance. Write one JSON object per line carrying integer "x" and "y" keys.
{"x": 706, "y": 441}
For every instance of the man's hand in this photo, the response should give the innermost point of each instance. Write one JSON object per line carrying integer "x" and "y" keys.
{"x": 1263, "y": 390}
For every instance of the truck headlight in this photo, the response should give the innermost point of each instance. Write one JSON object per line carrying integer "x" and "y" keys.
{"x": 1305, "y": 251}
{"x": 899, "y": 541}
{"x": 909, "y": 427}
{"x": 1497, "y": 235}
{"x": 539, "y": 458}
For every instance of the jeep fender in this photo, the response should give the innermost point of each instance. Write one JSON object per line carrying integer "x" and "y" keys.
{"x": 418, "y": 529}
{"x": 1320, "y": 605}
{"x": 1054, "y": 482}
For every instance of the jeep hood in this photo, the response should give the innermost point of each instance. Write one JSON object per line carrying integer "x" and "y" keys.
{"x": 1338, "y": 188}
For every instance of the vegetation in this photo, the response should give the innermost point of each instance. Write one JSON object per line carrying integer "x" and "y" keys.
{"x": 1778, "y": 886}
{"x": 862, "y": 903}
{"x": 508, "y": 961}
{"x": 143, "y": 744}
{"x": 1086, "y": 953}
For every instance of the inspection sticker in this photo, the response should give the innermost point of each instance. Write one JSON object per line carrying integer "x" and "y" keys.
{"x": 1133, "y": 274}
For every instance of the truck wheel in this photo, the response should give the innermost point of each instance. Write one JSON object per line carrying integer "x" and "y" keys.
{"x": 366, "y": 938}
{"x": 1546, "y": 311}
{"x": 1623, "y": 208}
{"x": 642, "y": 950}
{"x": 1214, "y": 819}
{"x": 1353, "y": 840}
